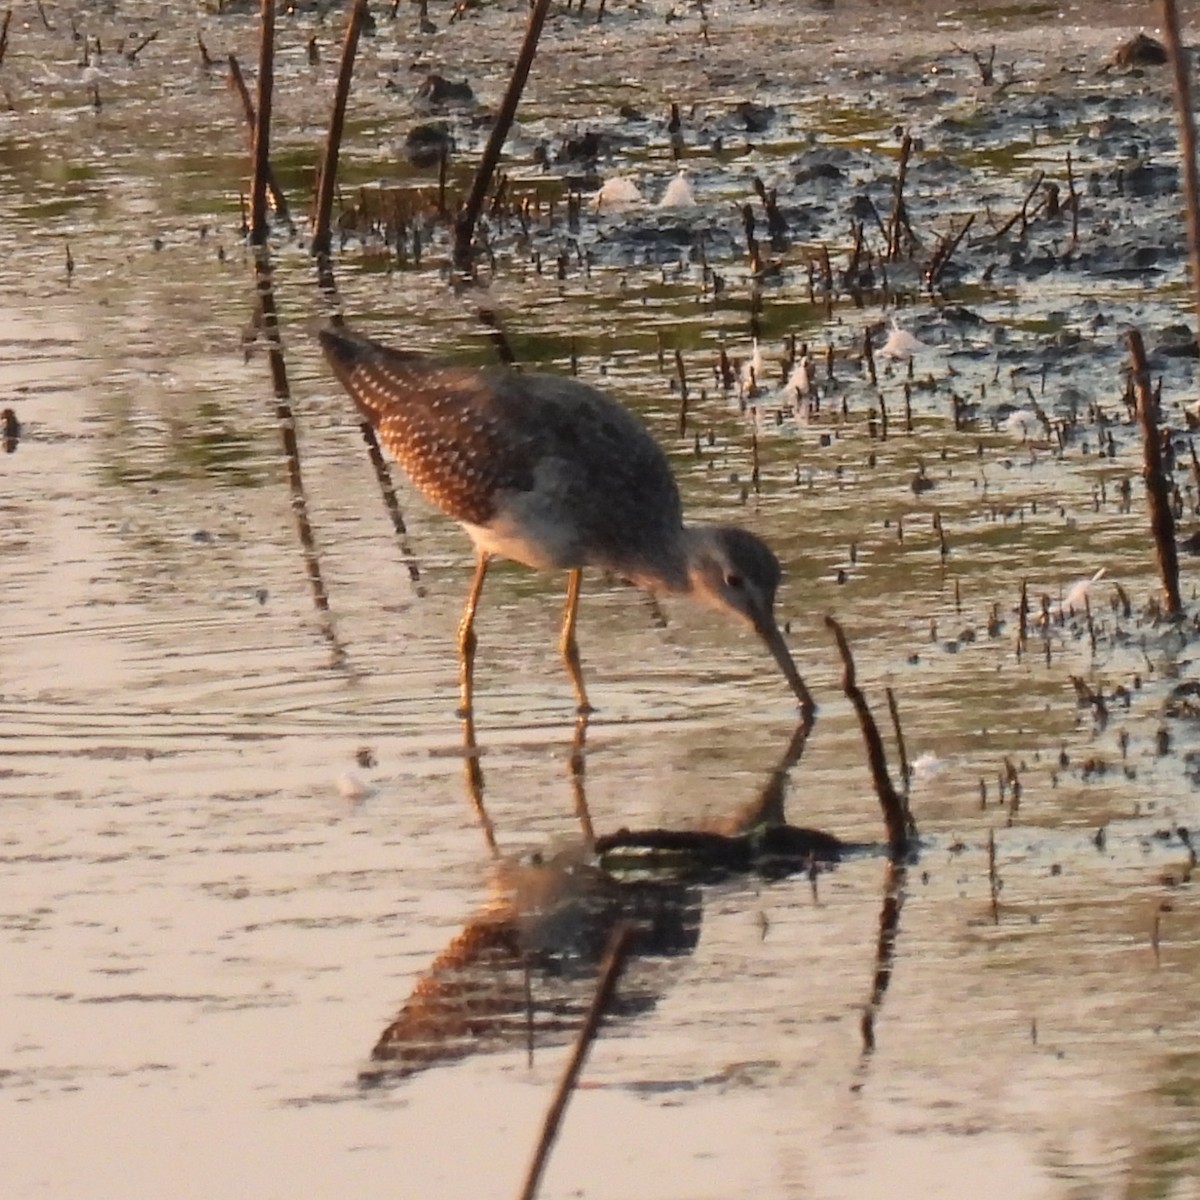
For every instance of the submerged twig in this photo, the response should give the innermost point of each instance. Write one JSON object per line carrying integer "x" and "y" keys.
{"x": 206, "y": 60}
{"x": 606, "y": 984}
{"x": 885, "y": 949}
{"x": 491, "y": 322}
{"x": 986, "y": 66}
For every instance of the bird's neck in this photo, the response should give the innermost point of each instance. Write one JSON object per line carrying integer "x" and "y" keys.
{"x": 671, "y": 574}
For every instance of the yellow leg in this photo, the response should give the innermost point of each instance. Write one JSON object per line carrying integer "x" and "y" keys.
{"x": 567, "y": 645}
{"x": 467, "y": 640}
{"x": 578, "y": 768}
{"x": 474, "y": 774}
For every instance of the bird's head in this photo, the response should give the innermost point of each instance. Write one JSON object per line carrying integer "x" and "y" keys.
{"x": 731, "y": 569}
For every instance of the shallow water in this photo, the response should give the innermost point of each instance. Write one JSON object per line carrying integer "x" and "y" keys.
{"x": 212, "y": 908}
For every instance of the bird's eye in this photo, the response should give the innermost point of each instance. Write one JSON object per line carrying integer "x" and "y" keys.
{"x": 734, "y": 580}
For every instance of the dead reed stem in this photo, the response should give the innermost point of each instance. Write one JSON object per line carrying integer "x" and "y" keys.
{"x": 269, "y": 324}
{"x": 322, "y": 249}
{"x": 491, "y": 322}
{"x": 1022, "y": 213}
{"x": 1187, "y": 139}
{"x": 901, "y": 751}
{"x": 993, "y": 877}
{"x": 327, "y": 179}
{"x": 894, "y": 817}
{"x": 681, "y": 372}
{"x": 1073, "y": 200}
{"x": 606, "y": 984}
{"x": 897, "y": 220}
{"x": 1158, "y": 489}
{"x": 945, "y": 252}
{"x": 464, "y": 227}
{"x": 390, "y": 500}
{"x": 131, "y": 55}
{"x": 261, "y": 152}
{"x": 238, "y": 83}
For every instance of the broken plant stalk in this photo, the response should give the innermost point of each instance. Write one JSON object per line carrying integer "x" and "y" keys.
{"x": 464, "y": 226}
{"x": 1158, "y": 489}
{"x": 269, "y": 323}
{"x": 1187, "y": 139}
{"x": 894, "y": 818}
{"x": 238, "y": 83}
{"x": 327, "y": 179}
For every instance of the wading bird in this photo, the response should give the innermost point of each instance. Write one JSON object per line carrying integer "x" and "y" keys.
{"x": 550, "y": 472}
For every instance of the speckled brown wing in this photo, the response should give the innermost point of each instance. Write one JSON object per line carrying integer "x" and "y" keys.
{"x": 434, "y": 420}
{"x": 561, "y": 459}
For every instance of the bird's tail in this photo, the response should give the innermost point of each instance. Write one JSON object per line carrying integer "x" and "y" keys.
{"x": 372, "y": 374}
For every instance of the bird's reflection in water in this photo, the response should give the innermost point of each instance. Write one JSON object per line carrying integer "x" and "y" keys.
{"x": 754, "y": 839}
{"x": 522, "y": 971}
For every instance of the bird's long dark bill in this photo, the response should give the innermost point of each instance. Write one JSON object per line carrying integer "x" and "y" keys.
{"x": 769, "y": 632}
